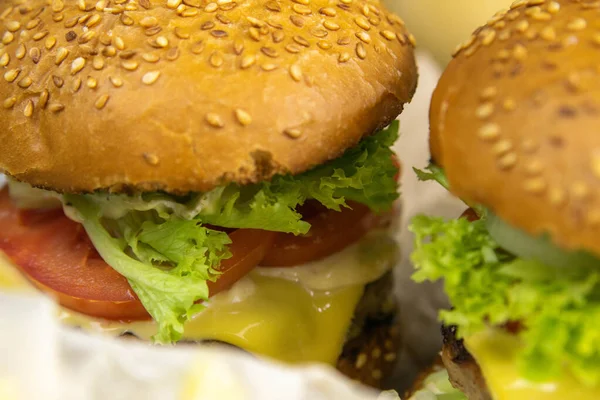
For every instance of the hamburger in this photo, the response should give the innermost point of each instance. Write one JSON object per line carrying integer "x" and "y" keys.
{"x": 199, "y": 171}
{"x": 513, "y": 134}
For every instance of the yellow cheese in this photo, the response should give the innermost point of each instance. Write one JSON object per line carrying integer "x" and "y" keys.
{"x": 268, "y": 316}
{"x": 496, "y": 353}
{"x": 296, "y": 315}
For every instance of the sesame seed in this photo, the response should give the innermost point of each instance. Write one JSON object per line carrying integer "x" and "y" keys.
{"x": 269, "y": 52}
{"x": 150, "y": 77}
{"x": 364, "y": 36}
{"x": 12, "y": 74}
{"x": 296, "y": 72}
{"x": 243, "y": 117}
{"x": 21, "y": 51}
{"x": 50, "y": 42}
{"x": 126, "y": 20}
{"x": 215, "y": 59}
{"x": 273, "y": 6}
{"x": 33, "y": 23}
{"x": 162, "y": 41}
{"x": 61, "y": 54}
{"x": 578, "y": 24}
{"x": 94, "y": 20}
{"x": 28, "y": 110}
{"x": 534, "y": 167}
{"x": 535, "y": 185}
{"x": 86, "y": 37}
{"x": 520, "y": 52}
{"x": 508, "y": 161}
{"x": 91, "y": 82}
{"x": 332, "y": 26}
{"x": 541, "y": 16}
{"x": 553, "y": 7}
{"x": 489, "y": 93}
{"x": 323, "y": 44}
{"x": 76, "y": 84}
{"x": 4, "y": 60}
{"x": 57, "y": 6}
{"x": 361, "y": 51}
{"x": 77, "y": 65}
{"x": 119, "y": 43}
{"x": 173, "y": 4}
{"x": 25, "y": 82}
{"x": 247, "y": 61}
{"x": 297, "y": 20}
{"x": 268, "y": 67}
{"x": 301, "y": 9}
{"x": 389, "y": 35}
{"x": 116, "y": 81}
{"x": 278, "y": 37}
{"x": 484, "y": 111}
{"x": 376, "y": 374}
{"x": 211, "y": 7}
{"x": 254, "y": 34}
{"x": 362, "y": 22}
{"x": 490, "y": 131}
{"x": 522, "y": 26}
{"x": 293, "y": 133}
{"x": 502, "y": 147}
{"x": 214, "y": 120}
{"x": 257, "y": 23}
{"x": 101, "y": 101}
{"x": 328, "y": 11}
{"x": 548, "y": 33}
{"x": 13, "y": 26}
{"x": 9, "y": 102}
{"x": 109, "y": 51}
{"x": 56, "y": 107}
{"x": 509, "y": 105}
{"x": 197, "y": 48}
{"x": 8, "y": 37}
{"x": 343, "y": 41}
{"x": 488, "y": 37}
{"x": 192, "y": 3}
{"x": 301, "y": 41}
{"x": 389, "y": 357}
{"x": 58, "y": 81}
{"x": 44, "y": 96}
{"x": 344, "y": 57}
{"x": 151, "y": 159}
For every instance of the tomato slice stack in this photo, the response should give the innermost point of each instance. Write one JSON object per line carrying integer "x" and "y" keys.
{"x": 56, "y": 255}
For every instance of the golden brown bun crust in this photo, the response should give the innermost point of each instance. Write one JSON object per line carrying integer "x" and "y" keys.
{"x": 160, "y": 94}
{"x": 515, "y": 117}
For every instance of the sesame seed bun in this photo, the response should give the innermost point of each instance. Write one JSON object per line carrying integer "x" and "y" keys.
{"x": 186, "y": 95}
{"x": 515, "y": 116}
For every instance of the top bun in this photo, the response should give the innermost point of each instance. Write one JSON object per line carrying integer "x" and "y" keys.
{"x": 515, "y": 119}
{"x": 186, "y": 95}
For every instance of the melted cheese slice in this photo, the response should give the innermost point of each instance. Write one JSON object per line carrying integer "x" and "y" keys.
{"x": 496, "y": 353}
{"x": 296, "y": 314}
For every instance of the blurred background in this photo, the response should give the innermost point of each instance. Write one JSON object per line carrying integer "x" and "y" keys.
{"x": 440, "y": 25}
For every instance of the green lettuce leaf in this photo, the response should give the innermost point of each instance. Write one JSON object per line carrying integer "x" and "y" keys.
{"x": 364, "y": 174}
{"x": 560, "y": 310}
{"x": 186, "y": 251}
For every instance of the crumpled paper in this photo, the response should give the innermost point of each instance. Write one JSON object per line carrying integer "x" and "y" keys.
{"x": 39, "y": 358}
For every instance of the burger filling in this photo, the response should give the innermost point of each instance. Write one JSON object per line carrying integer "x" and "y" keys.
{"x": 497, "y": 276}
{"x": 268, "y": 267}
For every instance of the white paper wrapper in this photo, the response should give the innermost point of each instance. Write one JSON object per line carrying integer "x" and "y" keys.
{"x": 41, "y": 359}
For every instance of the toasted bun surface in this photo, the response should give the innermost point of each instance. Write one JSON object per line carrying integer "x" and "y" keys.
{"x": 515, "y": 117}
{"x": 184, "y": 96}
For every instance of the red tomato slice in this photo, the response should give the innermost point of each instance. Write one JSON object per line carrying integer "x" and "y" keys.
{"x": 330, "y": 232}
{"x": 56, "y": 255}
